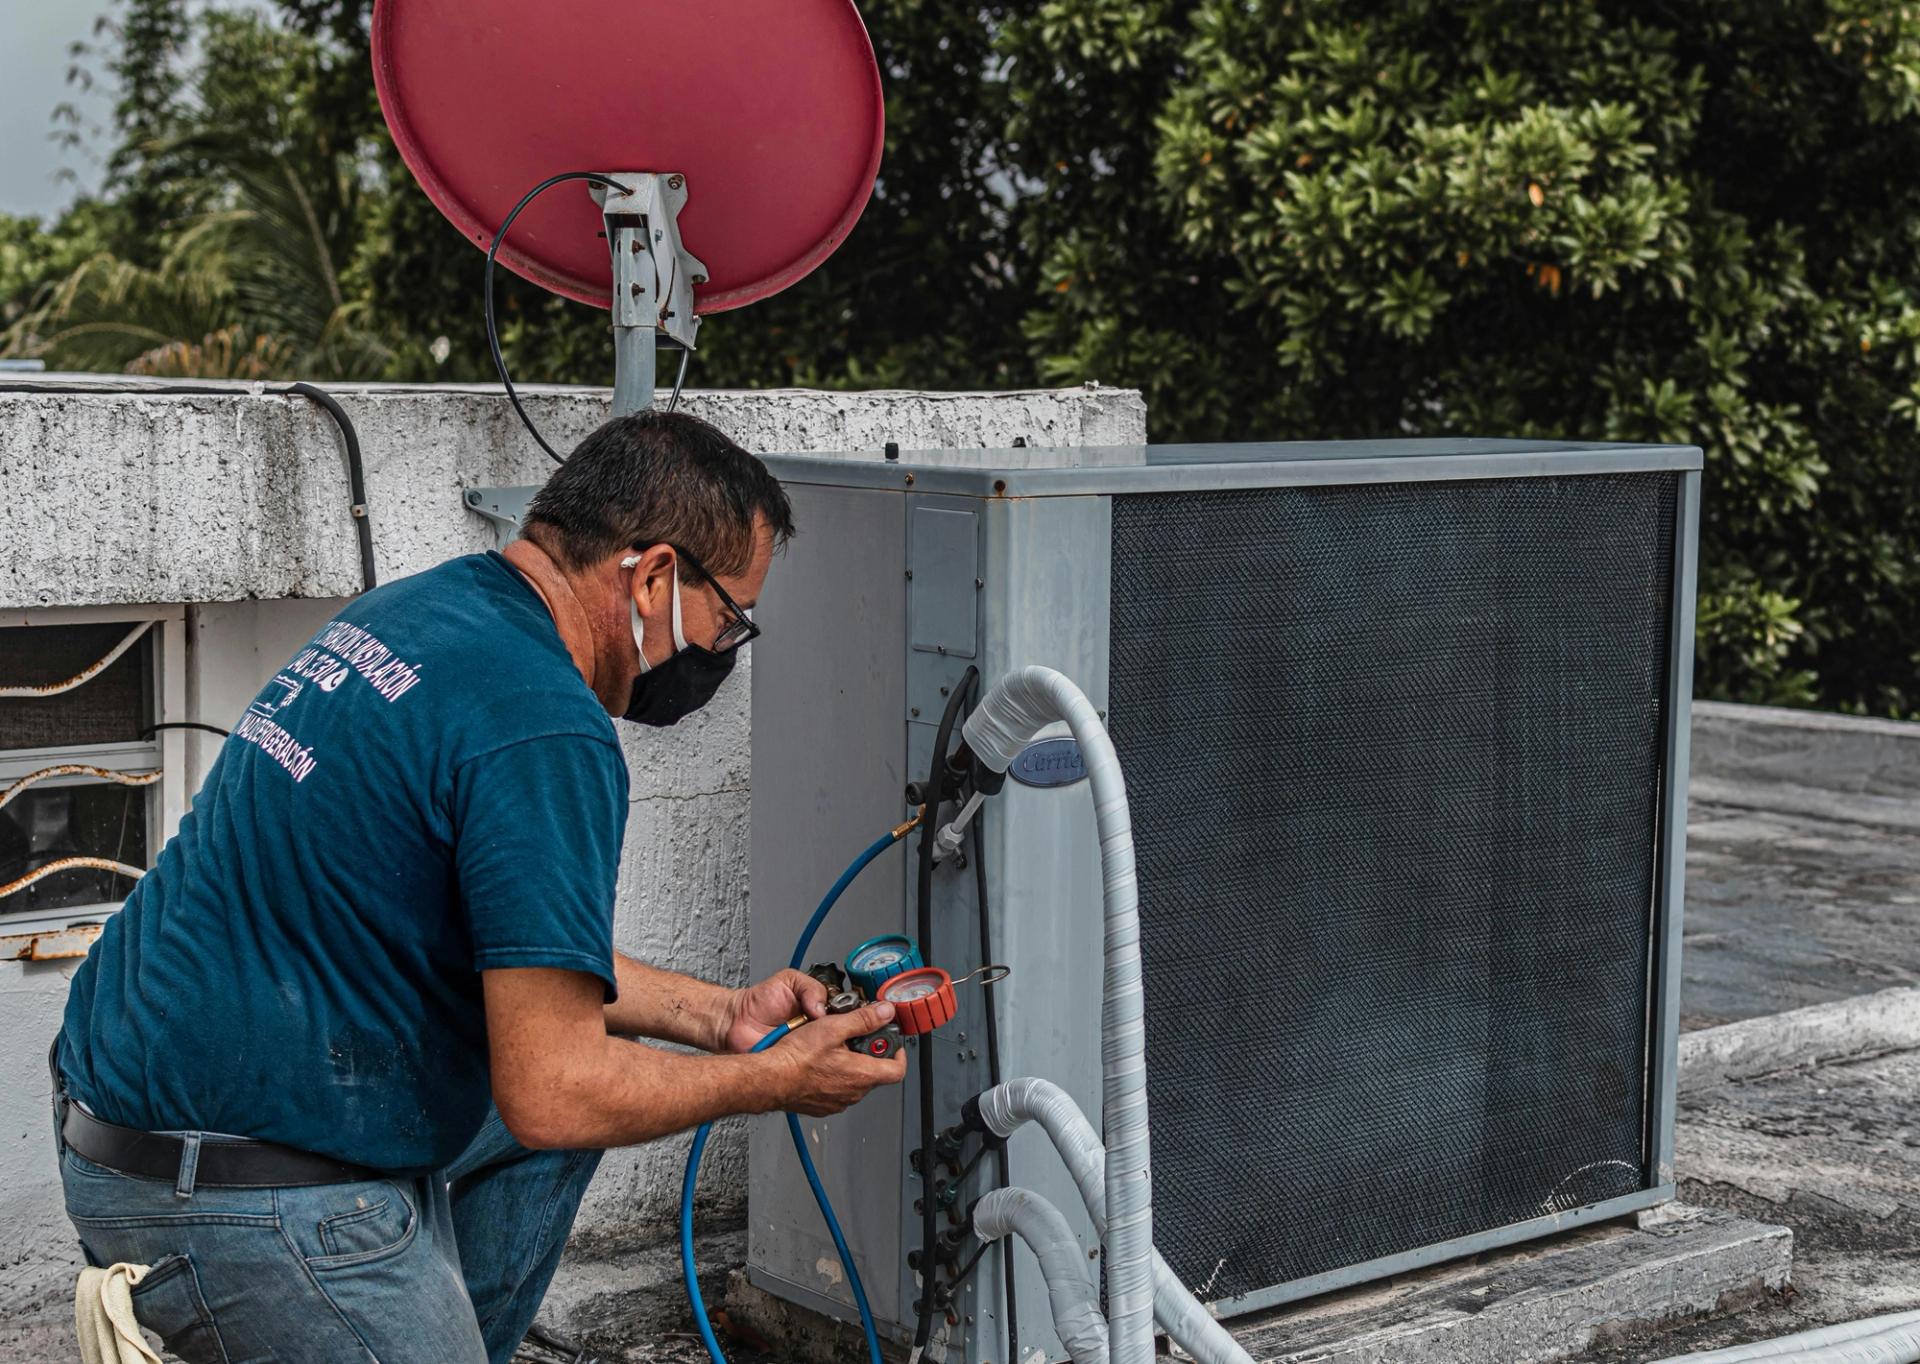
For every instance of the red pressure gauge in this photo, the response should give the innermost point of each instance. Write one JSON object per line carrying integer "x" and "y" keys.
{"x": 922, "y": 999}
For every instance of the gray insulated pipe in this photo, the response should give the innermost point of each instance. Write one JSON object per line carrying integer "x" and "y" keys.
{"x": 1892, "y": 1339}
{"x": 1017, "y": 707}
{"x": 1070, "y": 1290}
{"x": 1006, "y": 1108}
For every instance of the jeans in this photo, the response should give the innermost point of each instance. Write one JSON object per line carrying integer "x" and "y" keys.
{"x": 444, "y": 1269}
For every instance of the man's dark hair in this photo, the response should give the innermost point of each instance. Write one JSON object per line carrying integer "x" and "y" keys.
{"x": 658, "y": 478}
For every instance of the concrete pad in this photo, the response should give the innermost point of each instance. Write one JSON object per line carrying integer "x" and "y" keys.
{"x": 1550, "y": 1300}
{"x": 1840, "y": 1139}
{"x": 1547, "y": 1301}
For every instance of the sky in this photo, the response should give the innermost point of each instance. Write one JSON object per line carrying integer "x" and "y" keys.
{"x": 34, "y": 38}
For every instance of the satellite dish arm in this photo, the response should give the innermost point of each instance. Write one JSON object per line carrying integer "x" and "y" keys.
{"x": 653, "y": 277}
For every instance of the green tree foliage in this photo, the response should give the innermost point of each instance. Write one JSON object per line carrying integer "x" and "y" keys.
{"x": 1280, "y": 218}
{"x": 227, "y": 254}
{"x": 1544, "y": 217}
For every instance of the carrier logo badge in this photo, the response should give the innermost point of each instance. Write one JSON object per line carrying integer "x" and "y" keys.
{"x": 1050, "y": 762}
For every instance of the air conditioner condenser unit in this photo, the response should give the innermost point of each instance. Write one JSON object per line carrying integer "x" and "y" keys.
{"x": 1404, "y": 732}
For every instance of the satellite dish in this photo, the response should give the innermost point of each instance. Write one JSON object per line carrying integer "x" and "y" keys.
{"x": 770, "y": 110}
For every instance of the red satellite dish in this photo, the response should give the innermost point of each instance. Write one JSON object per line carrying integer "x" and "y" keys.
{"x": 771, "y": 109}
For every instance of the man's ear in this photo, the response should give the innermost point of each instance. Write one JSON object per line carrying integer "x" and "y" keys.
{"x": 652, "y": 574}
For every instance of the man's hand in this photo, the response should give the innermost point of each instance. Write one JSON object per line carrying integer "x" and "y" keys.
{"x": 560, "y": 1080}
{"x": 822, "y": 1077}
{"x": 757, "y": 1010}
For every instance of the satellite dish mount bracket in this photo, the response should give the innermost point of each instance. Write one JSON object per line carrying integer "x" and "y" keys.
{"x": 653, "y": 278}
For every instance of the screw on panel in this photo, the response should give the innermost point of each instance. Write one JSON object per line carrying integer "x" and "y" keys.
{"x": 915, "y": 712}
{"x": 978, "y": 583}
{"x": 675, "y": 181}
{"x": 909, "y": 480}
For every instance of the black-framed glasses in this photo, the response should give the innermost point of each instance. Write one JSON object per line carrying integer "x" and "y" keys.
{"x": 740, "y": 629}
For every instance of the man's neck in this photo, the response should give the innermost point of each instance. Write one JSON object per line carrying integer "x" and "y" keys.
{"x": 555, "y": 588}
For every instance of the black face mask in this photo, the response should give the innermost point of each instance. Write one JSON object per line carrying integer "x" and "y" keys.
{"x": 678, "y": 687}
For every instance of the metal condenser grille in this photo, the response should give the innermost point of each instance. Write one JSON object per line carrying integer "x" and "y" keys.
{"x": 1393, "y": 756}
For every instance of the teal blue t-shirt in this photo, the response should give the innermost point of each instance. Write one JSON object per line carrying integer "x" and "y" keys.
{"x": 426, "y": 791}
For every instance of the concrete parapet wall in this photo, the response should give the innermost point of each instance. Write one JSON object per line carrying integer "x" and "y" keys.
{"x": 1807, "y": 763}
{"x": 115, "y": 497}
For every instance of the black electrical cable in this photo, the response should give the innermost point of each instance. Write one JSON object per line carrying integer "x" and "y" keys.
{"x": 493, "y": 331}
{"x": 356, "y": 474}
{"x": 185, "y": 724}
{"x": 994, "y": 1077}
{"x": 965, "y": 1271}
{"x": 673, "y": 403}
{"x": 965, "y": 1172}
{"x": 929, "y": 1213}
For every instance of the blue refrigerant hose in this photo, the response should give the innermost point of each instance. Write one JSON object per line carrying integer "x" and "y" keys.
{"x": 699, "y": 1147}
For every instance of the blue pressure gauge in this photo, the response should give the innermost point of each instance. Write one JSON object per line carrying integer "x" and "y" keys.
{"x": 878, "y": 960}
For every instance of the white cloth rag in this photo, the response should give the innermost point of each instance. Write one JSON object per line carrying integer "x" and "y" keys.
{"x": 103, "y": 1316}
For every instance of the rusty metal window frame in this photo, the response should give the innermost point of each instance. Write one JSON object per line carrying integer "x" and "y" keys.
{"x": 39, "y": 935}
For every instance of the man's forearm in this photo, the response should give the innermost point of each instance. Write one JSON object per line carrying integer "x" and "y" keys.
{"x": 560, "y": 1080}
{"x": 623, "y": 1093}
{"x": 668, "y": 1006}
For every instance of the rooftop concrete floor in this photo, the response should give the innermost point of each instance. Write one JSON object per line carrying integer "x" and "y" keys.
{"x": 1832, "y": 1151}
{"x": 1788, "y": 909}
{"x": 1803, "y": 870}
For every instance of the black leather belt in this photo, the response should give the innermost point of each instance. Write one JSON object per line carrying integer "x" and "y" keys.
{"x": 225, "y": 1162}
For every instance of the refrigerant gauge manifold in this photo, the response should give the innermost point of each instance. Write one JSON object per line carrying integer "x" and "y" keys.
{"x": 878, "y": 960}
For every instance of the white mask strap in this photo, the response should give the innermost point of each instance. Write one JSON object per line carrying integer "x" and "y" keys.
{"x": 679, "y": 638}
{"x": 639, "y": 626}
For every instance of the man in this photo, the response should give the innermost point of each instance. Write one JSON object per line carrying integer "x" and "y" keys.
{"x": 341, "y": 1068}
